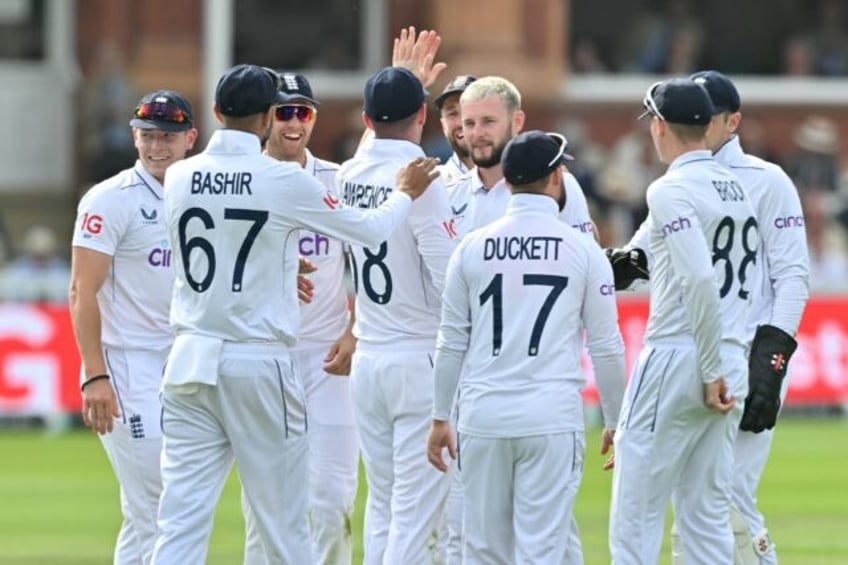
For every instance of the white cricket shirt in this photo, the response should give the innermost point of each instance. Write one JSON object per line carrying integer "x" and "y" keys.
{"x": 473, "y": 206}
{"x": 704, "y": 241}
{"x": 399, "y": 281}
{"x": 234, "y": 216}
{"x": 783, "y": 256}
{"x": 452, "y": 170}
{"x": 124, "y": 217}
{"x": 518, "y": 295}
{"x": 325, "y": 318}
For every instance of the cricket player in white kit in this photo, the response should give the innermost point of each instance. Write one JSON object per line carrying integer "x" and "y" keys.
{"x": 447, "y": 104}
{"x": 518, "y": 294}
{"x": 398, "y": 286}
{"x": 323, "y": 352}
{"x": 779, "y": 302}
{"x": 230, "y": 390}
{"x": 778, "y": 305}
{"x": 680, "y": 416}
{"x": 492, "y": 116}
{"x": 120, "y": 293}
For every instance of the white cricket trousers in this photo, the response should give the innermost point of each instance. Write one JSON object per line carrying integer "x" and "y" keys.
{"x": 751, "y": 455}
{"x": 518, "y": 497}
{"x": 134, "y": 448}
{"x": 393, "y": 406}
{"x": 333, "y": 462}
{"x": 670, "y": 445}
{"x": 256, "y": 414}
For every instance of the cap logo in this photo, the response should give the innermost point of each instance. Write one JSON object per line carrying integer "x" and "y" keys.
{"x": 291, "y": 81}
{"x": 700, "y": 80}
{"x": 162, "y": 99}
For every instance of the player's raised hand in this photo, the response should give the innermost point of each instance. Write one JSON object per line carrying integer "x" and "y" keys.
{"x": 716, "y": 397}
{"x": 417, "y": 54}
{"x": 414, "y": 178}
{"x": 99, "y": 405}
{"x": 440, "y": 438}
{"x": 337, "y": 360}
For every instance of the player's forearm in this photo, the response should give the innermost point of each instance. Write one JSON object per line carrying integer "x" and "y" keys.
{"x": 85, "y": 315}
{"x": 790, "y": 299}
{"x": 701, "y": 300}
{"x": 609, "y": 377}
{"x": 446, "y": 369}
{"x": 374, "y": 226}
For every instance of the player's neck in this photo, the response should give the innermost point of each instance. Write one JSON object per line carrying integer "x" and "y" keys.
{"x": 491, "y": 175}
{"x": 677, "y": 148}
{"x": 300, "y": 158}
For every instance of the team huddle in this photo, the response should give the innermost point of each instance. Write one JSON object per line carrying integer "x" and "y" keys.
{"x": 454, "y": 371}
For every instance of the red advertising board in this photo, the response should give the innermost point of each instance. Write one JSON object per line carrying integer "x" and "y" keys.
{"x": 39, "y": 364}
{"x": 818, "y": 371}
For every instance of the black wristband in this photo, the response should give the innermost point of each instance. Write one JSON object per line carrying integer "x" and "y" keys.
{"x": 92, "y": 379}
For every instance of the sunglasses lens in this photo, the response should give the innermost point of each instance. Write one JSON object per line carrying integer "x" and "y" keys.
{"x": 160, "y": 111}
{"x": 303, "y": 113}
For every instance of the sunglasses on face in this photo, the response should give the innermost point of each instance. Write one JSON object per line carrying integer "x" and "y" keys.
{"x": 304, "y": 114}
{"x": 161, "y": 112}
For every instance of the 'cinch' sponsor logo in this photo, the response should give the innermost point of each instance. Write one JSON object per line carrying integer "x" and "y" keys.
{"x": 314, "y": 244}
{"x": 159, "y": 257}
{"x": 676, "y": 225}
{"x": 789, "y": 222}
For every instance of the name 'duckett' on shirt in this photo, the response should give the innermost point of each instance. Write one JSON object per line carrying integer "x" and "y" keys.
{"x": 365, "y": 195}
{"x": 216, "y": 184}
{"x": 522, "y": 248}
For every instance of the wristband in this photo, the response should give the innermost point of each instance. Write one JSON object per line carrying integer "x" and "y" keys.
{"x": 92, "y": 379}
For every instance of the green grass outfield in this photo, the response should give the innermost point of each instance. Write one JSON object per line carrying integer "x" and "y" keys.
{"x": 59, "y": 500}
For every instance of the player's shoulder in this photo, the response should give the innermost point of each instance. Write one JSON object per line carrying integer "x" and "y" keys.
{"x": 773, "y": 172}
{"x": 115, "y": 188}
{"x": 324, "y": 166}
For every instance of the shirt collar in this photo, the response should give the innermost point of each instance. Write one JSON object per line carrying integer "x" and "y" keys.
{"x": 457, "y": 162}
{"x": 231, "y": 141}
{"x": 477, "y": 185}
{"x": 153, "y": 185}
{"x": 691, "y": 157}
{"x": 309, "y": 166}
{"x": 730, "y": 152}
{"x": 524, "y": 203}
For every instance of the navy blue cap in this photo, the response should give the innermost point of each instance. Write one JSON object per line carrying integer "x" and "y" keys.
{"x": 456, "y": 86}
{"x": 165, "y": 110}
{"x": 533, "y": 155}
{"x": 394, "y": 93}
{"x": 679, "y": 101}
{"x": 721, "y": 89}
{"x": 245, "y": 90}
{"x": 296, "y": 88}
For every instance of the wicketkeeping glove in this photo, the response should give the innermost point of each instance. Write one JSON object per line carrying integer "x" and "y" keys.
{"x": 627, "y": 266}
{"x": 770, "y": 353}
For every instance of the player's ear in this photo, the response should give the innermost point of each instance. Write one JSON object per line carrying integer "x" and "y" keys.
{"x": 218, "y": 115}
{"x": 367, "y": 121}
{"x": 518, "y": 121}
{"x": 422, "y": 114}
{"x": 191, "y": 138}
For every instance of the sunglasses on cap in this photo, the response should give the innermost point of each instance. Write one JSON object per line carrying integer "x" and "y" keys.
{"x": 161, "y": 112}
{"x": 561, "y": 153}
{"x": 304, "y": 114}
{"x": 650, "y": 105}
